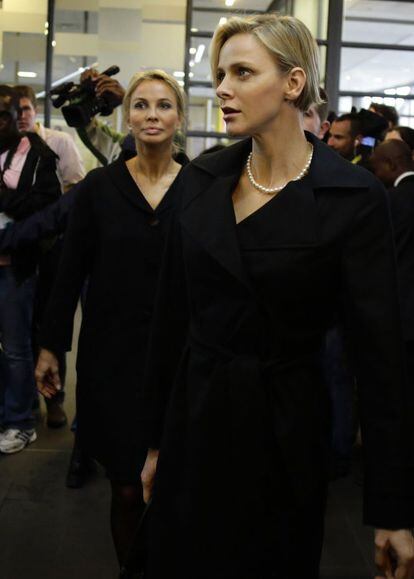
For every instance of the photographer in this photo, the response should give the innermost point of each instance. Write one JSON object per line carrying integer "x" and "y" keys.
{"x": 28, "y": 183}
{"x": 106, "y": 140}
{"x": 70, "y": 170}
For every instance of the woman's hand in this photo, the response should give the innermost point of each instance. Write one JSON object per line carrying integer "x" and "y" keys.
{"x": 394, "y": 554}
{"x": 148, "y": 473}
{"x": 47, "y": 374}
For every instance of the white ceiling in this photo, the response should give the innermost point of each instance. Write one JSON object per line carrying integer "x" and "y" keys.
{"x": 161, "y": 24}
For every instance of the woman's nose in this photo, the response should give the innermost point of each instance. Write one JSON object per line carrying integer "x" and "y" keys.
{"x": 223, "y": 90}
{"x": 152, "y": 113}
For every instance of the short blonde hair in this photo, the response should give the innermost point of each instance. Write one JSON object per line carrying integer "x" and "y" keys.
{"x": 154, "y": 74}
{"x": 286, "y": 38}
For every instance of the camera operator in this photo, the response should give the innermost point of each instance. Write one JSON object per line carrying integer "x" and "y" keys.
{"x": 106, "y": 140}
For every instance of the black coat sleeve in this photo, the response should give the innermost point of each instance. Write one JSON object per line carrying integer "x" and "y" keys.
{"x": 74, "y": 266}
{"x": 168, "y": 335}
{"x": 51, "y": 220}
{"x": 372, "y": 317}
{"x": 34, "y": 196}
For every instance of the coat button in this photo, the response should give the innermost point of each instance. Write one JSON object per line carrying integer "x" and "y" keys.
{"x": 153, "y": 222}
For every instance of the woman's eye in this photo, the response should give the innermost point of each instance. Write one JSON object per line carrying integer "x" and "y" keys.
{"x": 165, "y": 105}
{"x": 243, "y": 72}
{"x": 140, "y": 105}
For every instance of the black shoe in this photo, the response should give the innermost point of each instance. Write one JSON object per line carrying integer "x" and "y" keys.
{"x": 80, "y": 467}
{"x": 56, "y": 416}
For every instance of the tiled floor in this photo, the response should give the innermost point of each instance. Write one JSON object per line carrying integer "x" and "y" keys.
{"x": 50, "y": 532}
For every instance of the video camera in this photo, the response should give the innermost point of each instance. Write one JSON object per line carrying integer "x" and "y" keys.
{"x": 83, "y": 102}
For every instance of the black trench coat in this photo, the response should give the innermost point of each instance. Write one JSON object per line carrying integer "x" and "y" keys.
{"x": 115, "y": 239}
{"x": 243, "y": 429}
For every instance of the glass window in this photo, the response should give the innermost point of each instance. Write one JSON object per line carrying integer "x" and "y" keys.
{"x": 370, "y": 70}
{"x": 380, "y": 21}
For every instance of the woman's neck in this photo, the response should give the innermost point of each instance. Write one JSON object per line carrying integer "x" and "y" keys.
{"x": 154, "y": 162}
{"x": 280, "y": 152}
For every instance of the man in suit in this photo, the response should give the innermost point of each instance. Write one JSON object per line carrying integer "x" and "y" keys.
{"x": 393, "y": 164}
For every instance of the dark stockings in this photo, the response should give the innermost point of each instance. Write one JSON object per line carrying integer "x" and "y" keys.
{"x": 127, "y": 506}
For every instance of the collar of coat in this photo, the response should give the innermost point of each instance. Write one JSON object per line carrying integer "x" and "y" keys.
{"x": 292, "y": 215}
{"x": 328, "y": 169}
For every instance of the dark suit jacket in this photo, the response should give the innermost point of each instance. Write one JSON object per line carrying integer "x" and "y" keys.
{"x": 249, "y": 383}
{"x": 402, "y": 212}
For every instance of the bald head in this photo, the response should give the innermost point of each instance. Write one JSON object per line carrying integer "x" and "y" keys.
{"x": 390, "y": 160}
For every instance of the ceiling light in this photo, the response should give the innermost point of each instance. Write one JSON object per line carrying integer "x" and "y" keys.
{"x": 403, "y": 90}
{"x": 200, "y": 51}
{"x": 229, "y": 2}
{"x": 222, "y": 21}
{"x": 180, "y": 82}
{"x": 194, "y": 30}
{"x": 53, "y": 43}
{"x": 192, "y": 50}
{"x": 390, "y": 91}
{"x": 191, "y": 63}
{"x": 26, "y": 74}
{"x": 191, "y": 74}
{"x": 179, "y": 74}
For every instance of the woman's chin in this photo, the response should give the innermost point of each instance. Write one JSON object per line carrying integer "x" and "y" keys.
{"x": 235, "y": 131}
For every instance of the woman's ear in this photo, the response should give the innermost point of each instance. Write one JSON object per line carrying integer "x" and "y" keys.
{"x": 294, "y": 84}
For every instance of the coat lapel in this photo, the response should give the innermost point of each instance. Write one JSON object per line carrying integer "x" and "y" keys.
{"x": 292, "y": 216}
{"x": 210, "y": 219}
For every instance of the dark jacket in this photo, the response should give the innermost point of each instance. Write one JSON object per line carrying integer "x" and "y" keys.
{"x": 402, "y": 213}
{"x": 249, "y": 384}
{"x": 49, "y": 221}
{"x": 38, "y": 186}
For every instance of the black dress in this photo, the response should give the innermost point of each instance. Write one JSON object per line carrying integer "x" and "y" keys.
{"x": 115, "y": 239}
{"x": 240, "y": 410}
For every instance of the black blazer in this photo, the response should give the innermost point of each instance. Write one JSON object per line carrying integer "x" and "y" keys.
{"x": 402, "y": 212}
{"x": 239, "y": 374}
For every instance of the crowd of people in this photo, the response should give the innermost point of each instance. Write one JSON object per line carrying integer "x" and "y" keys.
{"x": 231, "y": 308}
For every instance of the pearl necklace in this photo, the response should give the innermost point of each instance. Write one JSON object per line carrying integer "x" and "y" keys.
{"x": 272, "y": 190}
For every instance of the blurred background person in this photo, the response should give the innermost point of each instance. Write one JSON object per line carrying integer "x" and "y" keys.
{"x": 392, "y": 163}
{"x": 315, "y": 119}
{"x": 70, "y": 170}
{"x": 116, "y": 238}
{"x": 28, "y": 182}
{"x": 344, "y": 135}
{"x": 400, "y": 133}
{"x": 389, "y": 113}
{"x": 354, "y": 135}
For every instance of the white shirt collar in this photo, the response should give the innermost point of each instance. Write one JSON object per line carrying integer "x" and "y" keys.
{"x": 401, "y": 177}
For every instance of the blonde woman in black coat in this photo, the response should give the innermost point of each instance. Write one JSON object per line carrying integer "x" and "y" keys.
{"x": 273, "y": 235}
{"x": 115, "y": 237}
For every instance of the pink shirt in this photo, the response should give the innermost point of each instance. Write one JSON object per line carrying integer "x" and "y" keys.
{"x": 11, "y": 179}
